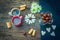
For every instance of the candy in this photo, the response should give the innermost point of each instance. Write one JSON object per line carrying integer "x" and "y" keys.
{"x": 34, "y": 31}
{"x": 22, "y": 7}
{"x": 8, "y": 24}
{"x": 30, "y": 31}
{"x": 44, "y": 21}
{"x": 46, "y": 18}
{"x": 48, "y": 15}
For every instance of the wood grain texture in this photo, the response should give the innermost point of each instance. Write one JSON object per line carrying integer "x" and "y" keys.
{"x": 14, "y": 33}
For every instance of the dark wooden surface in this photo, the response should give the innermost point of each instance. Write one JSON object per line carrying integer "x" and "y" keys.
{"x": 15, "y": 32}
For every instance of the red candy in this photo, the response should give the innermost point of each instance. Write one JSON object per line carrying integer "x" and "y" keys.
{"x": 46, "y": 17}
{"x": 48, "y": 14}
{"x": 44, "y": 21}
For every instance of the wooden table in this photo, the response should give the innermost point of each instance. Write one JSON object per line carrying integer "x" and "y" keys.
{"x": 14, "y": 32}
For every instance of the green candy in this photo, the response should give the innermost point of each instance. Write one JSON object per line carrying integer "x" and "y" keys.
{"x": 35, "y": 8}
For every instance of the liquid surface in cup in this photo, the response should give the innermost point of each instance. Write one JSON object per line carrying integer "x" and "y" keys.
{"x": 15, "y": 12}
{"x": 16, "y": 21}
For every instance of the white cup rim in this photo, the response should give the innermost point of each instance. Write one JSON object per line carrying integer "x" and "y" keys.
{"x": 13, "y": 10}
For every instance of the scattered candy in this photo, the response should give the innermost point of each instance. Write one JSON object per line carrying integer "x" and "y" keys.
{"x": 30, "y": 31}
{"x": 34, "y": 31}
{"x": 35, "y": 7}
{"x": 43, "y": 33}
{"x": 48, "y": 29}
{"x": 34, "y": 4}
{"x": 46, "y": 18}
{"x": 39, "y": 8}
{"x": 33, "y": 10}
{"x": 30, "y": 18}
{"x": 8, "y": 25}
{"x": 54, "y": 27}
{"x": 22, "y": 7}
{"x": 52, "y": 34}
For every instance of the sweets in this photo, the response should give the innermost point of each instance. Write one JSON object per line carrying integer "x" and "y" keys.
{"x": 32, "y": 32}
{"x": 8, "y": 25}
{"x": 46, "y": 18}
{"x": 22, "y": 7}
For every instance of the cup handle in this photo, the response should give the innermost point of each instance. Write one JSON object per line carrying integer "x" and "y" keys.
{"x": 21, "y": 17}
{"x": 10, "y": 13}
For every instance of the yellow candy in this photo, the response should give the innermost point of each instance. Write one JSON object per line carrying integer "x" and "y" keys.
{"x": 34, "y": 31}
{"x": 22, "y": 6}
{"x": 8, "y": 24}
{"x": 30, "y": 31}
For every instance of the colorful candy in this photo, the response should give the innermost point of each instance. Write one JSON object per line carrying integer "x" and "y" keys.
{"x": 8, "y": 24}
{"x": 46, "y": 18}
{"x": 22, "y": 7}
{"x": 32, "y": 32}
